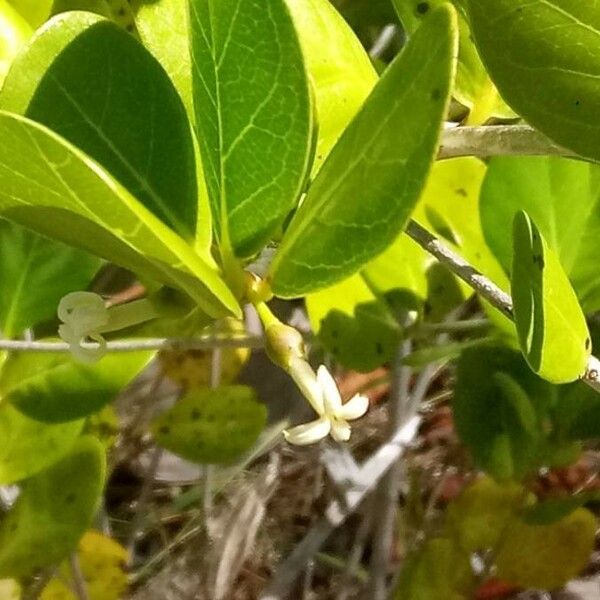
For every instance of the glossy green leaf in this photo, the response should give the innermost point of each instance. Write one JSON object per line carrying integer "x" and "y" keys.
{"x": 363, "y": 195}
{"x": 95, "y": 85}
{"x": 353, "y": 325}
{"x": 28, "y": 446}
{"x": 340, "y": 70}
{"x": 36, "y": 274}
{"x": 561, "y": 195}
{"x": 53, "y": 511}
{"x": 35, "y": 12}
{"x": 472, "y": 87}
{"x": 546, "y": 556}
{"x": 544, "y": 56}
{"x": 163, "y": 28}
{"x": 14, "y": 33}
{"x": 478, "y": 517}
{"x": 253, "y": 116}
{"x": 212, "y": 426}
{"x": 551, "y": 326}
{"x": 71, "y": 198}
{"x": 500, "y": 408}
{"x": 60, "y": 390}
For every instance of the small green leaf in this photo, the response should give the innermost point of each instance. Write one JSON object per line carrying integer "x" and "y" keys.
{"x": 253, "y": 116}
{"x": 554, "y": 509}
{"x": 340, "y": 70}
{"x": 95, "y": 85}
{"x": 28, "y": 446}
{"x": 546, "y": 556}
{"x": 577, "y": 412}
{"x": 473, "y": 87}
{"x": 551, "y": 326}
{"x": 212, "y": 426}
{"x": 363, "y": 195}
{"x": 439, "y": 570}
{"x": 478, "y": 517}
{"x": 353, "y": 325}
{"x": 64, "y": 390}
{"x": 36, "y": 274}
{"x": 500, "y": 408}
{"x": 561, "y": 196}
{"x": 71, "y": 198}
{"x": 544, "y": 58}
{"x": 53, "y": 511}
{"x": 163, "y": 30}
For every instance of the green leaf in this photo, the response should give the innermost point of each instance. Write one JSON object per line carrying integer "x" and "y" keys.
{"x": 353, "y": 325}
{"x": 61, "y": 389}
{"x": 472, "y": 87}
{"x": 554, "y": 509}
{"x": 53, "y": 511}
{"x": 340, "y": 70}
{"x": 212, "y": 426}
{"x": 363, "y": 195}
{"x": 544, "y": 58}
{"x": 577, "y": 412}
{"x": 36, "y": 274}
{"x": 500, "y": 408}
{"x": 439, "y": 570}
{"x": 551, "y": 326}
{"x": 478, "y": 517}
{"x": 546, "y": 556}
{"x": 70, "y": 198}
{"x": 95, "y": 85}
{"x": 163, "y": 29}
{"x": 28, "y": 446}
{"x": 561, "y": 195}
{"x": 14, "y": 32}
{"x": 253, "y": 116}
{"x": 35, "y": 12}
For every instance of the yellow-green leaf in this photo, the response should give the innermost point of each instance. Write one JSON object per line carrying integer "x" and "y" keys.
{"x": 363, "y": 195}
{"x": 212, "y": 426}
{"x": 546, "y": 556}
{"x": 551, "y": 326}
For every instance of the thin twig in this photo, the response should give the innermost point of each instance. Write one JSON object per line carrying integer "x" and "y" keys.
{"x": 136, "y": 345}
{"x": 484, "y": 286}
{"x": 385, "y": 503}
{"x": 142, "y": 503}
{"x": 79, "y": 586}
{"x": 371, "y": 471}
{"x": 498, "y": 140}
{"x": 355, "y": 556}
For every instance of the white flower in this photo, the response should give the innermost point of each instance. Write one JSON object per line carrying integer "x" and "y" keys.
{"x": 323, "y": 394}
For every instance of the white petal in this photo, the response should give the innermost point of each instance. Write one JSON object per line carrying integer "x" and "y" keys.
{"x": 331, "y": 395}
{"x": 308, "y": 433}
{"x": 356, "y": 407}
{"x": 340, "y": 430}
{"x": 305, "y": 378}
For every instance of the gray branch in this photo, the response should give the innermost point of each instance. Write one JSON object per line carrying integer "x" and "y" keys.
{"x": 482, "y": 285}
{"x": 498, "y": 140}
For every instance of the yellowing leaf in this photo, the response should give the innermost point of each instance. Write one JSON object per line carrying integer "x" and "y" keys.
{"x": 102, "y": 562}
{"x": 546, "y": 556}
